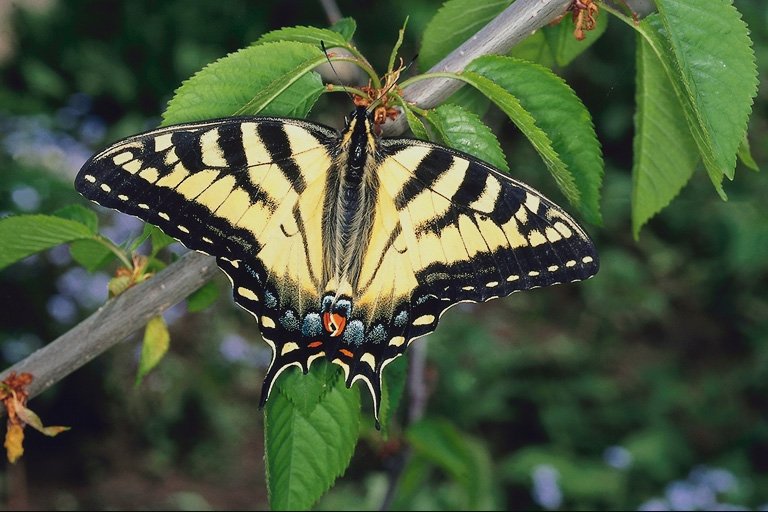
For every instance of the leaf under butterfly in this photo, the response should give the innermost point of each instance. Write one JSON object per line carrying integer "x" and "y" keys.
{"x": 309, "y": 436}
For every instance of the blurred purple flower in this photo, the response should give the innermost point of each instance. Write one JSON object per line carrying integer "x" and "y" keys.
{"x": 62, "y": 309}
{"x": 88, "y": 290}
{"x": 546, "y": 489}
{"x": 175, "y": 312}
{"x": 697, "y": 492}
{"x": 26, "y": 198}
{"x": 236, "y": 349}
{"x": 59, "y": 255}
{"x": 685, "y": 495}
{"x": 15, "y": 349}
{"x": 717, "y": 479}
{"x": 654, "y": 504}
{"x": 618, "y": 457}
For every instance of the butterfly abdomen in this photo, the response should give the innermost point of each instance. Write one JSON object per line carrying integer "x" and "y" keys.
{"x": 350, "y": 205}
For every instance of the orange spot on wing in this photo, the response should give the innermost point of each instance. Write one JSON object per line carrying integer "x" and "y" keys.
{"x": 346, "y": 352}
{"x": 315, "y": 344}
{"x": 334, "y": 323}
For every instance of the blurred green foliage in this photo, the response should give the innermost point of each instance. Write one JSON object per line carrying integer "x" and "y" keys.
{"x": 609, "y": 394}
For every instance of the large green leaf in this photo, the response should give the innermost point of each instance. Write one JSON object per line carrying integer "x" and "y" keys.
{"x": 80, "y": 214}
{"x": 705, "y": 49}
{"x": 25, "y": 235}
{"x": 280, "y": 84}
{"x": 455, "y": 22}
{"x": 92, "y": 253}
{"x": 203, "y": 297}
{"x": 311, "y": 429}
{"x": 556, "y": 123}
{"x": 461, "y": 129}
{"x": 310, "y": 35}
{"x": 665, "y": 153}
{"x": 346, "y": 27}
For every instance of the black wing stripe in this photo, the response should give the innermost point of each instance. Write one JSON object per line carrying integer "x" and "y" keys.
{"x": 278, "y": 145}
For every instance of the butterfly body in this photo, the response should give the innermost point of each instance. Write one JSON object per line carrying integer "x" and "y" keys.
{"x": 342, "y": 245}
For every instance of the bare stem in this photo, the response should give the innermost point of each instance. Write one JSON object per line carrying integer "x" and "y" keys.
{"x": 112, "y": 322}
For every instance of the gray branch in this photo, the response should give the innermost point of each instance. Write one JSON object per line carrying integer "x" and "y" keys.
{"x": 113, "y": 321}
{"x": 514, "y": 24}
{"x": 131, "y": 310}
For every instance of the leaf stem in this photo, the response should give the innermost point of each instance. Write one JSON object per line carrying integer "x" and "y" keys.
{"x": 115, "y": 249}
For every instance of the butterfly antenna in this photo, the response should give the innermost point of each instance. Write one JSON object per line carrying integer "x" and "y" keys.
{"x": 338, "y": 78}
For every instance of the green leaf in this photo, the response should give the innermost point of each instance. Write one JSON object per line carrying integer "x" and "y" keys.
{"x": 145, "y": 233}
{"x": 705, "y": 49}
{"x": 281, "y": 86}
{"x": 84, "y": 216}
{"x": 665, "y": 153}
{"x": 465, "y": 459}
{"x": 526, "y": 123}
{"x": 745, "y": 155}
{"x": 309, "y": 35}
{"x": 91, "y": 253}
{"x": 311, "y": 428}
{"x": 555, "y": 121}
{"x": 346, "y": 27}
{"x": 202, "y": 297}
{"x": 155, "y": 345}
{"x": 415, "y": 124}
{"x": 462, "y": 130}
{"x": 455, "y": 22}
{"x": 159, "y": 239}
{"x": 565, "y": 47}
{"x": 471, "y": 99}
{"x": 306, "y": 391}
{"x": 535, "y": 48}
{"x": 25, "y": 235}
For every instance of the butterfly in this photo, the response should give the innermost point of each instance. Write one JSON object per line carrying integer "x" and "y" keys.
{"x": 344, "y": 245}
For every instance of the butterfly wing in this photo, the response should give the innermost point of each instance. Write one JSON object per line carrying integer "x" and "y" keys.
{"x": 248, "y": 190}
{"x": 449, "y": 228}
{"x": 254, "y": 191}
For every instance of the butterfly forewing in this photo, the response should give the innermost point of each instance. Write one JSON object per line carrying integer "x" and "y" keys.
{"x": 246, "y": 190}
{"x": 472, "y": 233}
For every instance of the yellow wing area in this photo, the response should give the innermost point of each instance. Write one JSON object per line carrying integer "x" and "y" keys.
{"x": 465, "y": 232}
{"x": 238, "y": 190}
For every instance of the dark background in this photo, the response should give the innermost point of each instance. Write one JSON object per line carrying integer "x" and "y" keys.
{"x": 644, "y": 387}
